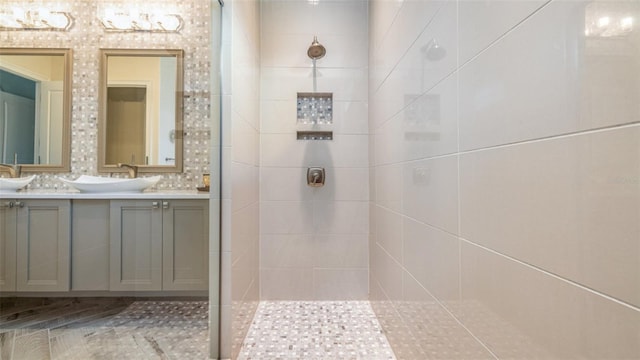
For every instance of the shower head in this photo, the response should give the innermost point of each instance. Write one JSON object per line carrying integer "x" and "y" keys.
{"x": 433, "y": 51}
{"x": 316, "y": 50}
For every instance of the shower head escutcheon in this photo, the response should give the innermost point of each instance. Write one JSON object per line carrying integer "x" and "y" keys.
{"x": 316, "y": 50}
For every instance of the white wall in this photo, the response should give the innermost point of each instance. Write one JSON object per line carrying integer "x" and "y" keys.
{"x": 313, "y": 241}
{"x": 505, "y": 192}
{"x": 240, "y": 189}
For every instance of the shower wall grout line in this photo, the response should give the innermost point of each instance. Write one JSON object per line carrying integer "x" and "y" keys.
{"x": 555, "y": 276}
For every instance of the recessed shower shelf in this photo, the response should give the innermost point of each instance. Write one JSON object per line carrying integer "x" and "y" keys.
{"x": 315, "y": 135}
{"x": 315, "y": 108}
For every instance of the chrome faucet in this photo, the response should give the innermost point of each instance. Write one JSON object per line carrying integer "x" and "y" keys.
{"x": 14, "y": 170}
{"x": 133, "y": 169}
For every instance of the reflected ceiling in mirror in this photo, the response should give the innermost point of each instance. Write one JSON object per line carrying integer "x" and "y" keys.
{"x": 141, "y": 110}
{"x": 35, "y": 114}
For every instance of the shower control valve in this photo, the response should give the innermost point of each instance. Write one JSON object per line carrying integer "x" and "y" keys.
{"x": 315, "y": 176}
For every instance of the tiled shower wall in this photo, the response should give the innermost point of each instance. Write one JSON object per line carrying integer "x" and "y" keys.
{"x": 85, "y": 39}
{"x": 506, "y": 192}
{"x": 240, "y": 160}
{"x": 313, "y": 241}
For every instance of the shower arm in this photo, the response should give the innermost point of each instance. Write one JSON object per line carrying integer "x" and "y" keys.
{"x": 315, "y": 75}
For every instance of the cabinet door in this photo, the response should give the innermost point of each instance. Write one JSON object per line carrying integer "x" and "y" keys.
{"x": 185, "y": 245}
{"x": 90, "y": 245}
{"x": 43, "y": 238}
{"x": 7, "y": 246}
{"x": 136, "y": 245}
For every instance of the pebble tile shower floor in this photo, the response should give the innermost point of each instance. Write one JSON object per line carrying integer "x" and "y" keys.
{"x": 315, "y": 330}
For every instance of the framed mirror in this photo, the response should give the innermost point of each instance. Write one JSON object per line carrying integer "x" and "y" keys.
{"x": 35, "y": 108}
{"x": 140, "y": 120}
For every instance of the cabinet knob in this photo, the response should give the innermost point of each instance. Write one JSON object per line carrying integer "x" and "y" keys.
{"x": 155, "y": 204}
{"x": 165, "y": 204}
{"x": 19, "y": 204}
{"x": 8, "y": 204}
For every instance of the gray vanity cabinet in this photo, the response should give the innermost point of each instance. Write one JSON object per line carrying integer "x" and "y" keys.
{"x": 159, "y": 245}
{"x": 90, "y": 245}
{"x": 42, "y": 237}
{"x": 185, "y": 243}
{"x": 136, "y": 245}
{"x": 7, "y": 246}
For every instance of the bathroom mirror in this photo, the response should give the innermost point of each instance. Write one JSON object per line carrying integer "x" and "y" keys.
{"x": 140, "y": 120}
{"x": 35, "y": 108}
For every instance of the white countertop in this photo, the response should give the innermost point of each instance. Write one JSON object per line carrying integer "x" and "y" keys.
{"x": 73, "y": 194}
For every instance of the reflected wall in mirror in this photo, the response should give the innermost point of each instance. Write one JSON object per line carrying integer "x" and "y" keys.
{"x": 35, "y": 108}
{"x": 141, "y": 110}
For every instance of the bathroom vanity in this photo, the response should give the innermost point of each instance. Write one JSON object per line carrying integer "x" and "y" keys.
{"x": 104, "y": 243}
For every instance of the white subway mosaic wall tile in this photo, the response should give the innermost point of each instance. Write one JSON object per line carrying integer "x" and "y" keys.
{"x": 85, "y": 39}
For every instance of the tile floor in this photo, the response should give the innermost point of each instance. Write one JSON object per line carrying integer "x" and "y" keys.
{"x": 315, "y": 330}
{"x": 103, "y": 328}
{"x": 128, "y": 328}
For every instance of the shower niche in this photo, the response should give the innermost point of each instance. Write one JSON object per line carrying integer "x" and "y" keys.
{"x": 314, "y": 116}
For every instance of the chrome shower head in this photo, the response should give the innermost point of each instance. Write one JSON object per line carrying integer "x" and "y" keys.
{"x": 316, "y": 50}
{"x": 433, "y": 51}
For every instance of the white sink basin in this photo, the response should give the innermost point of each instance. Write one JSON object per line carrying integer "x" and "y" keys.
{"x": 99, "y": 184}
{"x": 14, "y": 184}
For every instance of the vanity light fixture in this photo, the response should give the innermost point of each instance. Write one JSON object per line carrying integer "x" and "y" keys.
{"x": 132, "y": 20}
{"x": 18, "y": 18}
{"x": 609, "y": 26}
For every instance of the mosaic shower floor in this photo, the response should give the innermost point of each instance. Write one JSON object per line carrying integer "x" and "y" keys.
{"x": 315, "y": 330}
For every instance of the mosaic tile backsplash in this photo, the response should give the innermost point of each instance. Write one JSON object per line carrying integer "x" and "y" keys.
{"x": 86, "y": 38}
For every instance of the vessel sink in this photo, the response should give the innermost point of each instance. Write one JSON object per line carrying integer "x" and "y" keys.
{"x": 99, "y": 184}
{"x": 14, "y": 184}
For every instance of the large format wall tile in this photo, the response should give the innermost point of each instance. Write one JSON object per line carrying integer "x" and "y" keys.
{"x": 286, "y": 217}
{"x": 433, "y": 329}
{"x": 240, "y": 182}
{"x": 340, "y": 284}
{"x": 484, "y": 21}
{"x": 431, "y": 256}
{"x": 322, "y": 17}
{"x": 430, "y": 192}
{"x": 387, "y": 272}
{"x": 286, "y": 284}
{"x": 286, "y": 251}
{"x": 520, "y": 312}
{"x": 346, "y": 84}
{"x": 388, "y": 186}
{"x": 388, "y": 230}
{"x": 284, "y": 150}
{"x": 340, "y": 251}
{"x": 290, "y": 50}
{"x": 244, "y": 184}
{"x": 323, "y": 231}
{"x": 505, "y": 178}
{"x": 547, "y": 78}
{"x": 426, "y": 126}
{"x": 410, "y": 21}
{"x": 569, "y": 205}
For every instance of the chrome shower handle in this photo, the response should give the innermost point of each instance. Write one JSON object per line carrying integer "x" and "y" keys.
{"x": 315, "y": 176}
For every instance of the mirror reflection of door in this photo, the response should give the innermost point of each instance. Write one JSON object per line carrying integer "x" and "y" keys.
{"x": 31, "y": 108}
{"x": 17, "y": 118}
{"x": 158, "y": 75}
{"x": 126, "y": 119}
